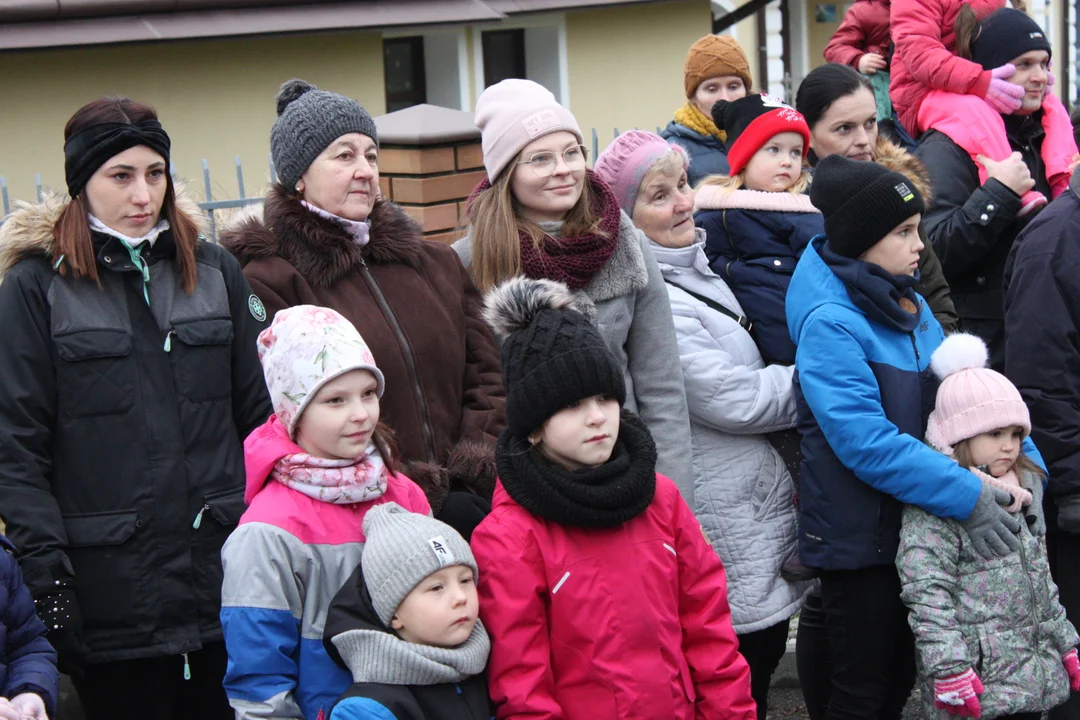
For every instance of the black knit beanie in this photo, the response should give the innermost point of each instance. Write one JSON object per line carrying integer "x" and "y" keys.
{"x": 552, "y": 356}
{"x": 1004, "y": 35}
{"x": 861, "y": 202}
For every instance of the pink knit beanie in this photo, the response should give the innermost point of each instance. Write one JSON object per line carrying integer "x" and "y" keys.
{"x": 513, "y": 113}
{"x": 627, "y": 160}
{"x": 972, "y": 398}
{"x": 304, "y": 348}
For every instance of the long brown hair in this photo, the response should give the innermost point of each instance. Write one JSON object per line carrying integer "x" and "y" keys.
{"x": 383, "y": 439}
{"x": 962, "y": 455}
{"x": 967, "y": 27}
{"x": 74, "y": 251}
{"x": 496, "y": 226}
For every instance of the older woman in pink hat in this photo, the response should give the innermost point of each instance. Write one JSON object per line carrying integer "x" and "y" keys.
{"x": 742, "y": 487}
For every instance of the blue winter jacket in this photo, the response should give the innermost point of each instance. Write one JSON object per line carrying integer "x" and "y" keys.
{"x": 708, "y": 155}
{"x": 27, "y": 660}
{"x": 864, "y": 390}
{"x": 753, "y": 240}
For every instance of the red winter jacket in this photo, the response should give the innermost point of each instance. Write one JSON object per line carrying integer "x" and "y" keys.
{"x": 624, "y": 623}
{"x": 865, "y": 29}
{"x": 923, "y": 59}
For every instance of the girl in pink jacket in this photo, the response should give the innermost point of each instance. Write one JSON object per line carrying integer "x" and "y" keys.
{"x": 949, "y": 74}
{"x": 602, "y": 596}
{"x": 314, "y": 469}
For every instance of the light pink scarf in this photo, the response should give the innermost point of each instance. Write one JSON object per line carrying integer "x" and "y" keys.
{"x": 1010, "y": 483}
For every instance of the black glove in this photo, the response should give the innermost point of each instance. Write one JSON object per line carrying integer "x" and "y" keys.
{"x": 59, "y": 610}
{"x": 1069, "y": 514}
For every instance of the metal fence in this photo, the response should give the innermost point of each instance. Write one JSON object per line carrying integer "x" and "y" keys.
{"x": 211, "y": 206}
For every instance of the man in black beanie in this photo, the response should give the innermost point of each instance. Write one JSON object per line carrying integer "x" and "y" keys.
{"x": 864, "y": 340}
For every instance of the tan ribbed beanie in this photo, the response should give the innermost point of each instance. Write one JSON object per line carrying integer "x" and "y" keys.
{"x": 714, "y": 56}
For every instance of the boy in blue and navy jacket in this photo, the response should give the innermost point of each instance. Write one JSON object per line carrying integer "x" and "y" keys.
{"x": 864, "y": 390}
{"x": 29, "y": 679}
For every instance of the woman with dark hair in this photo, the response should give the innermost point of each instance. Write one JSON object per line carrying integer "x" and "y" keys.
{"x": 130, "y": 381}
{"x": 838, "y": 104}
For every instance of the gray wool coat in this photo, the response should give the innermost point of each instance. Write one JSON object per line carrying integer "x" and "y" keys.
{"x": 999, "y": 617}
{"x": 629, "y": 304}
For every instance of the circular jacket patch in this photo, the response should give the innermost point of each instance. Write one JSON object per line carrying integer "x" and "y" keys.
{"x": 258, "y": 310}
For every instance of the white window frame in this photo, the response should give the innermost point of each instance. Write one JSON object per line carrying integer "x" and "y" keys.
{"x": 551, "y": 20}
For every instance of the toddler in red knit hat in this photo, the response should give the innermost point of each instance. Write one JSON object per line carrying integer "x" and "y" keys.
{"x": 992, "y": 639}
{"x": 758, "y": 219}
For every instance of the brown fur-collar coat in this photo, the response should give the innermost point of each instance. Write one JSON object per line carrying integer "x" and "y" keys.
{"x": 415, "y": 306}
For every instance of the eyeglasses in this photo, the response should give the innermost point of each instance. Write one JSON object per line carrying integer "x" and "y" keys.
{"x": 544, "y": 163}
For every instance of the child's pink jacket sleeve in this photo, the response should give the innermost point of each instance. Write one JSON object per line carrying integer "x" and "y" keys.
{"x": 720, "y": 674}
{"x": 917, "y": 33}
{"x": 512, "y": 608}
{"x": 848, "y": 43}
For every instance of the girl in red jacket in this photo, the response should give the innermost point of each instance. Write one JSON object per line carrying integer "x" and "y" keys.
{"x": 601, "y": 594}
{"x": 938, "y": 84}
{"x": 862, "y": 41}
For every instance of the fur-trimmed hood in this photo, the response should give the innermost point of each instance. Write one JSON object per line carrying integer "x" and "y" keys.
{"x": 893, "y": 157}
{"x": 320, "y": 249}
{"x": 28, "y": 229}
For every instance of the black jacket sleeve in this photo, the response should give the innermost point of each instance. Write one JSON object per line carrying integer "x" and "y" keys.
{"x": 28, "y": 410}
{"x": 935, "y": 289}
{"x": 966, "y": 220}
{"x": 251, "y": 401}
{"x": 1042, "y": 341}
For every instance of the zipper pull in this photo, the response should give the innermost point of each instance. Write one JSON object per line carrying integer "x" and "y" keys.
{"x": 187, "y": 667}
{"x": 198, "y": 518}
{"x": 168, "y": 341}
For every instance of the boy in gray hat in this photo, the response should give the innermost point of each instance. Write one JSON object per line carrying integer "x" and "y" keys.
{"x": 406, "y": 624}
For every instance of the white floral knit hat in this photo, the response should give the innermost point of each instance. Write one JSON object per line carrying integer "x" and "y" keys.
{"x": 304, "y": 348}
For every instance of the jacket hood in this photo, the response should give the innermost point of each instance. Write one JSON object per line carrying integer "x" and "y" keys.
{"x": 893, "y": 157}
{"x": 320, "y": 249}
{"x": 823, "y": 278}
{"x": 28, "y": 229}
{"x": 266, "y": 444}
{"x": 715, "y": 197}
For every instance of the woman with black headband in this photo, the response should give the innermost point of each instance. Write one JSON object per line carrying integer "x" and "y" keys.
{"x": 130, "y": 379}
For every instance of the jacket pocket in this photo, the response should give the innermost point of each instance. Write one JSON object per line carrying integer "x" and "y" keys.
{"x": 93, "y": 378}
{"x": 687, "y": 681}
{"x": 217, "y": 519}
{"x": 226, "y": 507}
{"x": 771, "y": 483}
{"x": 107, "y": 567}
{"x": 204, "y": 358}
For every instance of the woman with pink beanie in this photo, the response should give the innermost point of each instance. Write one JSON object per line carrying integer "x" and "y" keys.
{"x": 542, "y": 214}
{"x": 992, "y": 640}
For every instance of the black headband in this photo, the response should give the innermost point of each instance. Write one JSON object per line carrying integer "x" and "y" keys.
{"x": 91, "y": 147}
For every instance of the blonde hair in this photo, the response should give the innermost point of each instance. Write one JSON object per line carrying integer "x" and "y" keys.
{"x": 731, "y": 183}
{"x": 496, "y": 226}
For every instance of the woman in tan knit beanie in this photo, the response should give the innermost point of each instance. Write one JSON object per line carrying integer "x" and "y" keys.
{"x": 715, "y": 69}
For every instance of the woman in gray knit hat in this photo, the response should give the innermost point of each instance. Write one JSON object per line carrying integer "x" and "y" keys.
{"x": 327, "y": 238}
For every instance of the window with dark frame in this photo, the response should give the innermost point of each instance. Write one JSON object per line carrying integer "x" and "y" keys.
{"x": 403, "y": 72}
{"x": 504, "y": 55}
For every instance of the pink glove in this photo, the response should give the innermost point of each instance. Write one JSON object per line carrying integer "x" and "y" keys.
{"x": 958, "y": 694}
{"x": 1002, "y": 95}
{"x": 1072, "y": 666}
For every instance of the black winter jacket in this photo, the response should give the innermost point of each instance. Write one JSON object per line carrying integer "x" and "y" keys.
{"x": 1042, "y": 349}
{"x": 972, "y": 227}
{"x": 122, "y": 418}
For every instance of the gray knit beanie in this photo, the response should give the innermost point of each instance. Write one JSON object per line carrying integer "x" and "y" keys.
{"x": 402, "y": 549}
{"x": 309, "y": 119}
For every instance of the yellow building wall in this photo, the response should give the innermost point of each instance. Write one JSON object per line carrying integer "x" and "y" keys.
{"x": 625, "y": 64}
{"x": 215, "y": 98}
{"x": 818, "y": 33}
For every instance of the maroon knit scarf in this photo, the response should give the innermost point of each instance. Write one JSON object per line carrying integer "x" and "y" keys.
{"x": 576, "y": 259}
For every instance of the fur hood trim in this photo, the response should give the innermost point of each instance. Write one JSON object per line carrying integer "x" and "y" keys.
{"x": 893, "y": 157}
{"x": 714, "y": 197}
{"x": 514, "y": 305}
{"x": 320, "y": 249}
{"x": 28, "y": 229}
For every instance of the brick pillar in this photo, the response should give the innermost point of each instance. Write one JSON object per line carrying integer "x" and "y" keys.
{"x": 429, "y": 162}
